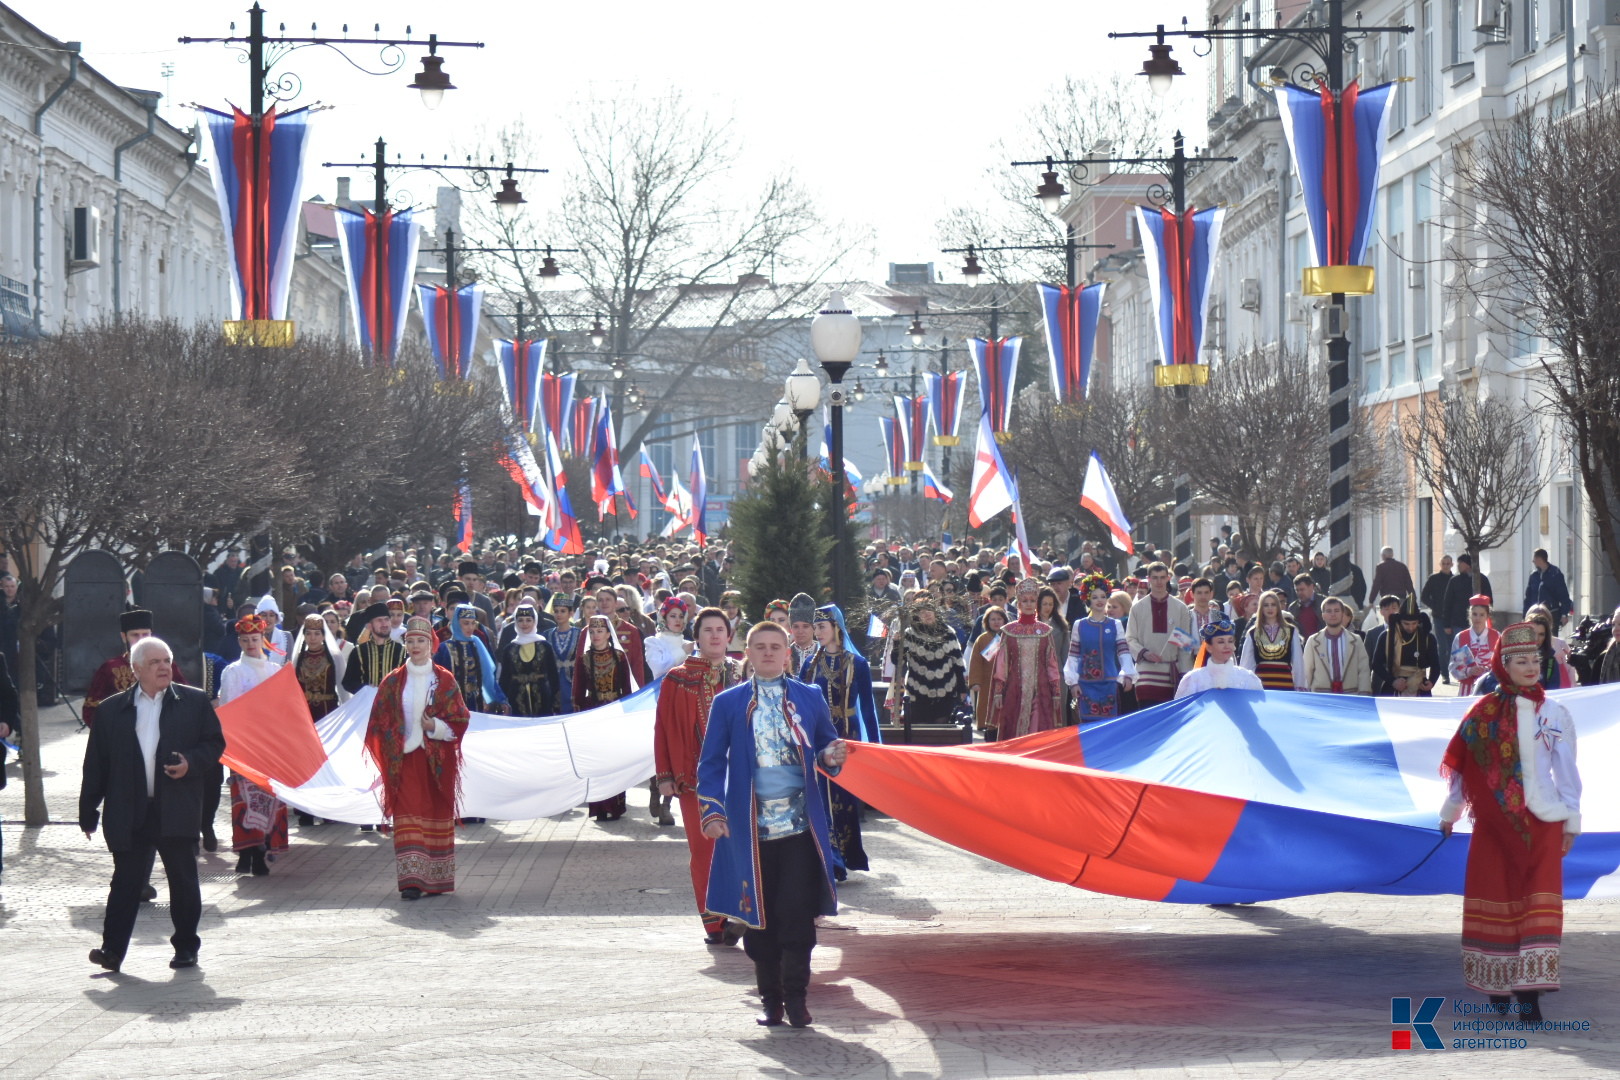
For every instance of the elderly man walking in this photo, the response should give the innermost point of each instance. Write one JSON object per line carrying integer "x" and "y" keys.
{"x": 143, "y": 784}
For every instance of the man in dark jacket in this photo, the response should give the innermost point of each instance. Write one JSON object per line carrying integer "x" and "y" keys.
{"x": 1433, "y": 597}
{"x": 1547, "y": 587}
{"x": 145, "y": 763}
{"x": 1458, "y": 590}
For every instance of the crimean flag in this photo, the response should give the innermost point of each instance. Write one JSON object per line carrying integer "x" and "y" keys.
{"x": 565, "y": 538}
{"x": 991, "y": 490}
{"x": 912, "y": 414}
{"x": 464, "y": 519}
{"x": 894, "y": 449}
{"x": 1097, "y": 495}
{"x": 519, "y": 362}
{"x": 1180, "y": 253}
{"x": 258, "y": 181}
{"x": 451, "y": 320}
{"x": 944, "y": 394}
{"x": 1337, "y": 143}
{"x": 582, "y": 428}
{"x": 933, "y": 489}
{"x": 557, "y": 403}
{"x": 367, "y": 241}
{"x": 996, "y": 365}
{"x": 1070, "y": 317}
{"x": 700, "y": 495}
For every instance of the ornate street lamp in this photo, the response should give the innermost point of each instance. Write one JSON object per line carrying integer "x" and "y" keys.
{"x": 835, "y": 335}
{"x": 598, "y": 333}
{"x": 916, "y": 331}
{"x": 803, "y": 397}
{"x": 971, "y": 270}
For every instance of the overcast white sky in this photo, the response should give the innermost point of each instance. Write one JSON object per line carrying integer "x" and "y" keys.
{"x": 888, "y": 112}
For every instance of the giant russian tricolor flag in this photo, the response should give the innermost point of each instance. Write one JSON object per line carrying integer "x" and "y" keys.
{"x": 1097, "y": 495}
{"x": 1070, "y": 317}
{"x": 451, "y": 320}
{"x": 365, "y": 241}
{"x": 519, "y": 362}
{"x": 1180, "y": 253}
{"x": 258, "y": 182}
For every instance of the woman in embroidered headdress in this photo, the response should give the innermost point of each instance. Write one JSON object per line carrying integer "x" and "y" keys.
{"x": 564, "y": 640}
{"x": 845, "y": 678}
{"x": 601, "y": 676}
{"x": 670, "y": 647}
{"x": 1512, "y": 766}
{"x": 1027, "y": 675}
{"x": 465, "y": 656}
{"x": 1099, "y": 664}
{"x": 318, "y": 660}
{"x": 528, "y": 668}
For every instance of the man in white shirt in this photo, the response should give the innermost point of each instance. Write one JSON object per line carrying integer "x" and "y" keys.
{"x": 144, "y": 765}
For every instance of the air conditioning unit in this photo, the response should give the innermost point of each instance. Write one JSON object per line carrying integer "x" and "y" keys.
{"x": 1249, "y": 294}
{"x": 1296, "y": 308}
{"x": 1488, "y": 16}
{"x": 84, "y": 249}
{"x": 1414, "y": 277}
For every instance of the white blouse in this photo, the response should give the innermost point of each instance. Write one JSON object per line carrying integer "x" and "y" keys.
{"x": 1552, "y": 784}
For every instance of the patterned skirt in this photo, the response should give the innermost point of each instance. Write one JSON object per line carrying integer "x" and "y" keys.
{"x": 424, "y": 827}
{"x": 1513, "y": 905}
{"x": 258, "y": 818}
{"x": 1275, "y": 674}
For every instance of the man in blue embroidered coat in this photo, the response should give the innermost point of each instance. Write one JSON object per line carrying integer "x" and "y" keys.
{"x": 773, "y": 864}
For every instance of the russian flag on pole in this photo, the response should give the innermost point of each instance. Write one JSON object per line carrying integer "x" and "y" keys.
{"x": 991, "y": 490}
{"x": 566, "y": 537}
{"x": 1070, "y": 317}
{"x": 1097, "y": 495}
{"x": 894, "y": 450}
{"x": 606, "y": 478}
{"x": 700, "y": 494}
{"x": 1181, "y": 264}
{"x": 933, "y": 489}
{"x": 379, "y": 315}
{"x": 649, "y": 472}
{"x": 463, "y": 513}
{"x": 1337, "y": 145}
{"x": 451, "y": 320}
{"x": 541, "y": 502}
{"x": 556, "y": 402}
{"x": 944, "y": 394}
{"x": 996, "y": 365}
{"x": 519, "y": 362}
{"x": 1020, "y": 537}
{"x": 258, "y": 181}
{"x": 876, "y": 627}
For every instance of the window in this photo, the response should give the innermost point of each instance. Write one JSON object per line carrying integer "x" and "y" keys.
{"x": 1555, "y": 19}
{"x": 1459, "y": 38}
{"x": 1529, "y": 26}
{"x": 1395, "y": 264}
{"x": 660, "y": 447}
{"x": 1425, "y": 59}
{"x": 706, "y": 439}
{"x": 1424, "y": 355}
{"x": 1422, "y": 199}
{"x": 1398, "y": 372}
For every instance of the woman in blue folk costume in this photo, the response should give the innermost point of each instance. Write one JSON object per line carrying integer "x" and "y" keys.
{"x": 464, "y": 656}
{"x": 842, "y": 674}
{"x": 1099, "y": 663}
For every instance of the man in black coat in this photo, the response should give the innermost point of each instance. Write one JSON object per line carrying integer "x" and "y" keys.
{"x": 143, "y": 783}
{"x": 1458, "y": 592}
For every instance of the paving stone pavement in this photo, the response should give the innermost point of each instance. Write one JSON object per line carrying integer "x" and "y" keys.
{"x": 570, "y": 950}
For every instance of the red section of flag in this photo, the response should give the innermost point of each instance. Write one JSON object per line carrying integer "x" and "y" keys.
{"x": 268, "y": 733}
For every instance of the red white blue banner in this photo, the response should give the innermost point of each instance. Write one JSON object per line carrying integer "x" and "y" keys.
{"x": 1180, "y": 253}
{"x": 556, "y": 403}
{"x": 894, "y": 448}
{"x": 451, "y": 320}
{"x": 1097, "y": 495}
{"x": 944, "y": 394}
{"x": 1337, "y": 146}
{"x": 700, "y": 494}
{"x": 1070, "y": 317}
{"x": 464, "y": 519}
{"x": 258, "y": 180}
{"x": 996, "y": 365}
{"x": 912, "y": 417}
{"x": 540, "y": 500}
{"x": 649, "y": 472}
{"x": 1020, "y": 545}
{"x": 565, "y": 537}
{"x": 519, "y": 362}
{"x": 582, "y": 427}
{"x": 370, "y": 243}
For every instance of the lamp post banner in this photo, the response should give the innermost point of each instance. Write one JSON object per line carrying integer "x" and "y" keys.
{"x": 556, "y": 403}
{"x": 368, "y": 241}
{"x": 1180, "y": 250}
{"x": 258, "y": 179}
{"x": 944, "y": 394}
{"x": 582, "y": 427}
{"x": 1070, "y": 317}
{"x": 995, "y": 362}
{"x": 894, "y": 450}
{"x": 450, "y": 317}
{"x": 1337, "y": 142}
{"x": 519, "y": 363}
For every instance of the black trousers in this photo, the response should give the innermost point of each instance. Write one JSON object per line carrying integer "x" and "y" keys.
{"x": 132, "y": 869}
{"x": 792, "y": 885}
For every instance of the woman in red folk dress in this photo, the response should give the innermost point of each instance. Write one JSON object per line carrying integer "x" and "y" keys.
{"x": 417, "y": 721}
{"x": 601, "y": 676}
{"x": 1512, "y": 765}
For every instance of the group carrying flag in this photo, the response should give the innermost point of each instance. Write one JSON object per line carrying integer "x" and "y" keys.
{"x": 520, "y": 363}
{"x": 1097, "y": 495}
{"x": 1337, "y": 142}
{"x": 990, "y": 491}
{"x": 450, "y": 317}
{"x": 379, "y": 263}
{"x": 258, "y": 181}
{"x": 944, "y": 394}
{"x": 1180, "y": 252}
{"x": 996, "y": 365}
{"x": 1070, "y": 317}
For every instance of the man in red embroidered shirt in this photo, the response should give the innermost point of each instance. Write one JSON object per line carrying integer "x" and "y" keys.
{"x": 1160, "y": 634}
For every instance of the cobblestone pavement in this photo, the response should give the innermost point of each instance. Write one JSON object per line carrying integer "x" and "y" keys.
{"x": 570, "y": 950}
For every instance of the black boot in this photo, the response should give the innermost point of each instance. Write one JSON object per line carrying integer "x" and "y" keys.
{"x": 1530, "y": 1002}
{"x": 796, "y": 984}
{"x": 768, "y": 974}
{"x": 244, "y": 861}
{"x": 1499, "y": 1003}
{"x": 260, "y": 867}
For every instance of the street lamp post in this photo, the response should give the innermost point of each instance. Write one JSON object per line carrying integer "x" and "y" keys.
{"x": 835, "y": 336}
{"x": 1328, "y": 38}
{"x": 1071, "y": 247}
{"x": 803, "y": 397}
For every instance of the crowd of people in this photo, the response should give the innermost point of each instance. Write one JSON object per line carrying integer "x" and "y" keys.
{"x": 754, "y": 718}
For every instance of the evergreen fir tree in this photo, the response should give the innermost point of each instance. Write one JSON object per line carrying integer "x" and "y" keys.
{"x": 779, "y": 535}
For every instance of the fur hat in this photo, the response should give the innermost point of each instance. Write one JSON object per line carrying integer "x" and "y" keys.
{"x": 801, "y": 608}
{"x": 134, "y": 619}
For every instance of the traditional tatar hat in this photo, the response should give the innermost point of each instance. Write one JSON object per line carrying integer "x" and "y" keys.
{"x": 419, "y": 626}
{"x": 1220, "y": 626}
{"x": 134, "y": 619}
{"x": 1518, "y": 638}
{"x": 801, "y": 608}
{"x": 251, "y": 624}
{"x": 376, "y": 611}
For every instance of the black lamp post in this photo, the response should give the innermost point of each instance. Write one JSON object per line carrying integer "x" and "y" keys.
{"x": 1326, "y": 36}
{"x": 972, "y": 271}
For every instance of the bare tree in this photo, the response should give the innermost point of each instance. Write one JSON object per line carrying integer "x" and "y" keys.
{"x": 1254, "y": 441}
{"x": 1537, "y": 245}
{"x": 689, "y": 275}
{"x": 1079, "y": 118}
{"x": 1480, "y": 457}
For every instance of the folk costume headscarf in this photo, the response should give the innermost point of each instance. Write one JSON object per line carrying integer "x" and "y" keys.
{"x": 1489, "y": 734}
{"x": 486, "y": 666}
